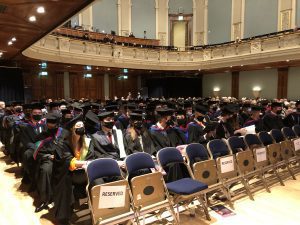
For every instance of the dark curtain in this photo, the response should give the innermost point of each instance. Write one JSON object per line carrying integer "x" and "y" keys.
{"x": 11, "y": 85}
{"x": 174, "y": 87}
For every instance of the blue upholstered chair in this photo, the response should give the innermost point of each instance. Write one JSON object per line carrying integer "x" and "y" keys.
{"x": 288, "y": 133}
{"x": 102, "y": 173}
{"x": 296, "y": 129}
{"x": 277, "y": 135}
{"x": 149, "y": 190}
{"x": 236, "y": 144}
{"x": 217, "y": 148}
{"x": 182, "y": 188}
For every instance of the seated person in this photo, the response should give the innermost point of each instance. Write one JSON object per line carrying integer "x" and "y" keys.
{"x": 104, "y": 142}
{"x": 131, "y": 35}
{"x": 137, "y": 137}
{"x": 71, "y": 153}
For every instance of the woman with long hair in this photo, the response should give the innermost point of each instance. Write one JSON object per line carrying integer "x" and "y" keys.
{"x": 69, "y": 178}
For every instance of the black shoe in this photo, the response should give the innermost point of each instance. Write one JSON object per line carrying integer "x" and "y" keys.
{"x": 41, "y": 207}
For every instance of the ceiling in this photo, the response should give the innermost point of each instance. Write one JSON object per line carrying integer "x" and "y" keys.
{"x": 14, "y": 22}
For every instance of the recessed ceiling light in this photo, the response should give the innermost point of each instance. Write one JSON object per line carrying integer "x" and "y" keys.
{"x": 242, "y": 65}
{"x": 40, "y": 9}
{"x": 108, "y": 68}
{"x": 10, "y": 43}
{"x": 13, "y": 39}
{"x": 199, "y": 69}
{"x": 230, "y": 66}
{"x": 287, "y": 60}
{"x": 32, "y": 18}
{"x": 97, "y": 68}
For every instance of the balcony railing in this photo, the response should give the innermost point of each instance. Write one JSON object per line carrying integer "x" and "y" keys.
{"x": 265, "y": 49}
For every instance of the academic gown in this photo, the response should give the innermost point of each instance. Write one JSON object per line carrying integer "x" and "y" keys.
{"x": 272, "y": 121}
{"x": 195, "y": 133}
{"x": 133, "y": 146}
{"x": 43, "y": 150}
{"x": 259, "y": 125}
{"x": 29, "y": 135}
{"x": 177, "y": 136}
{"x": 159, "y": 137}
{"x": 292, "y": 119}
{"x": 62, "y": 177}
{"x": 103, "y": 148}
{"x": 224, "y": 130}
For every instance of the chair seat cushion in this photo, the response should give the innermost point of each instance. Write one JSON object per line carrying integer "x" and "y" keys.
{"x": 186, "y": 186}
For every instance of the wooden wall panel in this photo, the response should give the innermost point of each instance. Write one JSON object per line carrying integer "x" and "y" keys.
{"x": 282, "y": 84}
{"x": 120, "y": 88}
{"x": 91, "y": 88}
{"x": 235, "y": 84}
{"x": 42, "y": 87}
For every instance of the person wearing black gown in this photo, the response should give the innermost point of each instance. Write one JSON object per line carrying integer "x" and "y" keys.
{"x": 43, "y": 155}
{"x": 273, "y": 119}
{"x": 255, "y": 119}
{"x": 137, "y": 137}
{"x": 71, "y": 154}
{"x": 104, "y": 142}
{"x": 178, "y": 133}
{"x": 159, "y": 130}
{"x": 293, "y": 118}
{"x": 195, "y": 127}
{"x": 29, "y": 133}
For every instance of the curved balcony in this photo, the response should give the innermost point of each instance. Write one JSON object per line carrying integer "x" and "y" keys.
{"x": 85, "y": 52}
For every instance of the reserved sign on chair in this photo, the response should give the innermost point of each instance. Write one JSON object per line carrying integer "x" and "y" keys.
{"x": 112, "y": 197}
{"x": 227, "y": 164}
{"x": 261, "y": 154}
{"x": 297, "y": 144}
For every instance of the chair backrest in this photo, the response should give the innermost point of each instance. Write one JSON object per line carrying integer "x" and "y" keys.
{"x": 245, "y": 161}
{"x": 148, "y": 189}
{"x": 139, "y": 161}
{"x": 288, "y": 133}
{"x": 103, "y": 208}
{"x": 217, "y": 148}
{"x": 277, "y": 135}
{"x": 173, "y": 163}
{"x": 252, "y": 141}
{"x": 296, "y": 129}
{"x": 206, "y": 172}
{"x": 287, "y": 149}
{"x": 274, "y": 155}
{"x": 169, "y": 155}
{"x": 196, "y": 152}
{"x": 100, "y": 168}
{"x": 236, "y": 144}
{"x": 265, "y": 138}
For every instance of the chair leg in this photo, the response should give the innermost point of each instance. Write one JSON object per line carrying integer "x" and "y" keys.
{"x": 288, "y": 166}
{"x": 277, "y": 175}
{"x": 173, "y": 213}
{"x": 262, "y": 177}
{"x": 204, "y": 206}
{"x": 247, "y": 187}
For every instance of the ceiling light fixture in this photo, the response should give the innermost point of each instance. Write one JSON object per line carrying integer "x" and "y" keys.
{"x": 287, "y": 60}
{"x": 10, "y": 43}
{"x": 40, "y": 10}
{"x": 32, "y": 18}
{"x": 13, "y": 39}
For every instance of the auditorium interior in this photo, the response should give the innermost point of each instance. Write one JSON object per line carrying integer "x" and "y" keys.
{"x": 149, "y": 112}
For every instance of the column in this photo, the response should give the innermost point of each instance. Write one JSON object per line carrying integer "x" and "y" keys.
{"x": 86, "y": 18}
{"x": 237, "y": 19}
{"x": 235, "y": 77}
{"x": 162, "y": 21}
{"x": 124, "y": 17}
{"x": 200, "y": 22}
{"x": 106, "y": 86}
{"x": 66, "y": 84}
{"x": 282, "y": 83}
{"x": 286, "y": 14}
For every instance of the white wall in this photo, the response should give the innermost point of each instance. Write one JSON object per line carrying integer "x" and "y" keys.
{"x": 221, "y": 80}
{"x": 293, "y": 83}
{"x": 266, "y": 79}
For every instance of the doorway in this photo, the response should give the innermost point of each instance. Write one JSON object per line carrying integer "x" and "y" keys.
{"x": 181, "y": 30}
